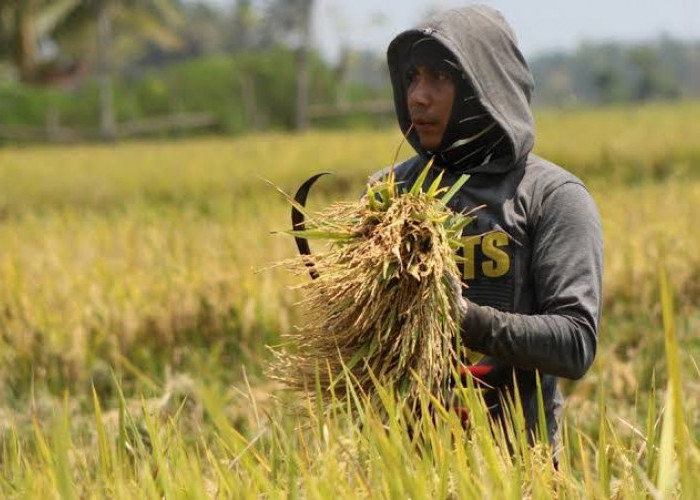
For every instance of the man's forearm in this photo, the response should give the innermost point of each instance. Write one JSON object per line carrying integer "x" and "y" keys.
{"x": 559, "y": 344}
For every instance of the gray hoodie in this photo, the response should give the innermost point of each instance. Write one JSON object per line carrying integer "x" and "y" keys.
{"x": 535, "y": 250}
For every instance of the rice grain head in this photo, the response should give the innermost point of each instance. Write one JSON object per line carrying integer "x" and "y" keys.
{"x": 383, "y": 308}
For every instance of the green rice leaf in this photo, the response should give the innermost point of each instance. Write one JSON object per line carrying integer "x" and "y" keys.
{"x": 434, "y": 188}
{"x": 372, "y": 198}
{"x": 418, "y": 184}
{"x": 457, "y": 224}
{"x": 386, "y": 194}
{"x": 454, "y": 189}
{"x": 289, "y": 198}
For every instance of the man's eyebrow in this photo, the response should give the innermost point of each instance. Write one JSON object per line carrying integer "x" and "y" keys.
{"x": 432, "y": 66}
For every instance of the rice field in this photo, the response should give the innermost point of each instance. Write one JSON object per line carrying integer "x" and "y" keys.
{"x": 137, "y": 301}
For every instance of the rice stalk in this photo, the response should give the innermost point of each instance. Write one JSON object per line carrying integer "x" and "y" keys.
{"x": 384, "y": 306}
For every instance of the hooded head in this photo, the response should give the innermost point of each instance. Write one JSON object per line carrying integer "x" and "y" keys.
{"x": 489, "y": 126}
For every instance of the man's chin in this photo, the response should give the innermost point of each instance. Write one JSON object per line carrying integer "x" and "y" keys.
{"x": 428, "y": 143}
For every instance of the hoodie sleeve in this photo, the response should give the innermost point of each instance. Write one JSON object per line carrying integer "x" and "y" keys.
{"x": 566, "y": 268}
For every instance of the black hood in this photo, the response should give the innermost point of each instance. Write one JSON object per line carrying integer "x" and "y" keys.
{"x": 485, "y": 46}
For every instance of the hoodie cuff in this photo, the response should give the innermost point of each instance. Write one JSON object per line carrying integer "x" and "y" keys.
{"x": 476, "y": 327}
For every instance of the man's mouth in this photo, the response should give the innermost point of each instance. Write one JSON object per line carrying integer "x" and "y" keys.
{"x": 422, "y": 124}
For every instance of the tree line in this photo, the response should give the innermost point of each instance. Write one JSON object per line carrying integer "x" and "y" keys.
{"x": 608, "y": 73}
{"x": 70, "y": 45}
{"x": 106, "y": 65}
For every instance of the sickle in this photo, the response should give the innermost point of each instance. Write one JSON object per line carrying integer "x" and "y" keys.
{"x": 298, "y": 221}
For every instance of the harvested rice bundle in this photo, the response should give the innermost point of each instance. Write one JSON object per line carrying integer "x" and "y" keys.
{"x": 383, "y": 304}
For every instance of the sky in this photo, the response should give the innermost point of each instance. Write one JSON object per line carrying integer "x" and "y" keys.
{"x": 541, "y": 25}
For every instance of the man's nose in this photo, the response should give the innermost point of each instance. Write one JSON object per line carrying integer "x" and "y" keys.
{"x": 419, "y": 94}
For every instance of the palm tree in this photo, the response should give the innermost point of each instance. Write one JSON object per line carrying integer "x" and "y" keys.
{"x": 88, "y": 32}
{"x": 23, "y": 24}
{"x": 120, "y": 27}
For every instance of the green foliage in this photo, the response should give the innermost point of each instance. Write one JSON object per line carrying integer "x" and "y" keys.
{"x": 244, "y": 91}
{"x": 26, "y": 105}
{"x": 222, "y": 85}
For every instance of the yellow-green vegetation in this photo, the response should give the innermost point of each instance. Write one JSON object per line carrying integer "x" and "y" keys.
{"x": 146, "y": 263}
{"x": 626, "y": 143}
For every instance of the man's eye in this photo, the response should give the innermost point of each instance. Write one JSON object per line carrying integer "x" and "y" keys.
{"x": 411, "y": 75}
{"x": 442, "y": 75}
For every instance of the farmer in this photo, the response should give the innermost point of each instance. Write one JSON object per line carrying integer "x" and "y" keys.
{"x": 534, "y": 253}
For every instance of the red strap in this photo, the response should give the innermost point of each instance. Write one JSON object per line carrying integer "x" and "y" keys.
{"x": 462, "y": 413}
{"x": 478, "y": 371}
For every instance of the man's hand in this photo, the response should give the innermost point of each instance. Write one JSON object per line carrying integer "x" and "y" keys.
{"x": 483, "y": 374}
{"x": 459, "y": 301}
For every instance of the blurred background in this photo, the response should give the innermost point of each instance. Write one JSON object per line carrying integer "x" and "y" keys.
{"x": 135, "y": 224}
{"x": 75, "y": 70}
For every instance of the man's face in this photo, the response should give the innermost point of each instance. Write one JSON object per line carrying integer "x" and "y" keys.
{"x": 429, "y": 97}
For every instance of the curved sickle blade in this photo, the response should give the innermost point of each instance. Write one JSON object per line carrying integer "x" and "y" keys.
{"x": 298, "y": 221}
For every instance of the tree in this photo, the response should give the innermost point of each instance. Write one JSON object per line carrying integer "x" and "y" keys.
{"x": 119, "y": 27}
{"x": 290, "y": 21}
{"x": 243, "y": 20}
{"x": 607, "y": 82}
{"x": 23, "y": 24}
{"x": 302, "y": 100}
{"x": 108, "y": 121}
{"x": 644, "y": 60}
{"x": 653, "y": 80}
